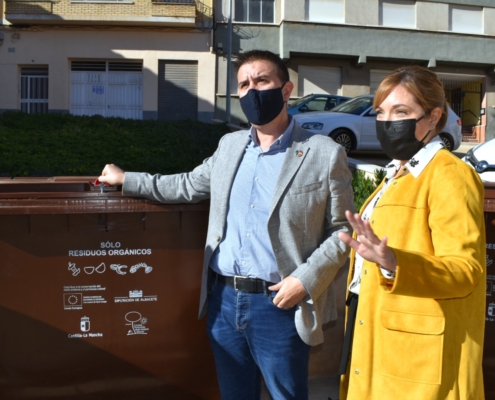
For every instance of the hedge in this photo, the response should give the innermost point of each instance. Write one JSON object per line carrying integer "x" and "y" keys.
{"x": 68, "y": 145}
{"x": 363, "y": 186}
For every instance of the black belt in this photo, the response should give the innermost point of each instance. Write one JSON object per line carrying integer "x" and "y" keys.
{"x": 352, "y": 303}
{"x": 243, "y": 283}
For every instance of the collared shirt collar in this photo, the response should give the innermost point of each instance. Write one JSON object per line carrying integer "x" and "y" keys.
{"x": 419, "y": 161}
{"x": 282, "y": 140}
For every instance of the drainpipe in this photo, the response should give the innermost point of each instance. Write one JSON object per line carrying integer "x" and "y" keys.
{"x": 229, "y": 58}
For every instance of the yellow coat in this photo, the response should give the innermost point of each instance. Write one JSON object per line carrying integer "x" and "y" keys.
{"x": 420, "y": 337}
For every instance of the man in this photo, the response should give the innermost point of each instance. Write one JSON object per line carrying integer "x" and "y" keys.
{"x": 278, "y": 196}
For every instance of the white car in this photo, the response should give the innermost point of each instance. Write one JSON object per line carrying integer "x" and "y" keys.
{"x": 482, "y": 159}
{"x": 352, "y": 124}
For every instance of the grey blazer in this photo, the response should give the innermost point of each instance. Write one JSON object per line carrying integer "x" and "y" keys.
{"x": 307, "y": 211}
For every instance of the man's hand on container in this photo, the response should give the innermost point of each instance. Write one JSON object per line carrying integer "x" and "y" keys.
{"x": 112, "y": 175}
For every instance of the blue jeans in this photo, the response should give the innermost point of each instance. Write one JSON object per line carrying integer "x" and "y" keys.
{"x": 251, "y": 337}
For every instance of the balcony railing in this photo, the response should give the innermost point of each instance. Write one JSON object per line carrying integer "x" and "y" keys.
{"x": 144, "y": 12}
{"x": 174, "y": 1}
{"x": 204, "y": 9}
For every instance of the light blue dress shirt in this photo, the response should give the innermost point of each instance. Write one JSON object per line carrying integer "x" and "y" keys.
{"x": 246, "y": 249}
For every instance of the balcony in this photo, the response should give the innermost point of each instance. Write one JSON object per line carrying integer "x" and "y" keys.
{"x": 176, "y": 13}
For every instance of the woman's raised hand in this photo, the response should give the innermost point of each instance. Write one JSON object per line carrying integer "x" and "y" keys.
{"x": 369, "y": 246}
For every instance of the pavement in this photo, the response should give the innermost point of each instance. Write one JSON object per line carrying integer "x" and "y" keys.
{"x": 326, "y": 388}
{"x": 464, "y": 148}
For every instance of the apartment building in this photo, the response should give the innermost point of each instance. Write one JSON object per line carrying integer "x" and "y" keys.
{"x": 347, "y": 46}
{"x": 142, "y": 59}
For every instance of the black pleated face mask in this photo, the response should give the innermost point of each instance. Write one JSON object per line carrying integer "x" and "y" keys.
{"x": 262, "y": 106}
{"x": 398, "y": 138}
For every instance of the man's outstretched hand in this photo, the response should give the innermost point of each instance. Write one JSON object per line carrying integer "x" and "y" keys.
{"x": 112, "y": 175}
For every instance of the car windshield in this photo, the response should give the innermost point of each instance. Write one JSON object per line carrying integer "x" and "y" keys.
{"x": 354, "y": 106}
{"x": 296, "y": 102}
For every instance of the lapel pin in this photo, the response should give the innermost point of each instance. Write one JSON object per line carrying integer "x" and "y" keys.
{"x": 299, "y": 153}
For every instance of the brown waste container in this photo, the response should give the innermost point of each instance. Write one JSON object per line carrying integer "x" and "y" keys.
{"x": 489, "y": 349}
{"x": 99, "y": 295}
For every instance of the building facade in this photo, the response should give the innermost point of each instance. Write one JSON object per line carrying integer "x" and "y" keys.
{"x": 141, "y": 59}
{"x": 347, "y": 46}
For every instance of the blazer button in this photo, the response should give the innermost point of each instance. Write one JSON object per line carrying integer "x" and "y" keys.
{"x": 361, "y": 322}
{"x": 218, "y": 238}
{"x": 356, "y": 372}
{"x": 365, "y": 271}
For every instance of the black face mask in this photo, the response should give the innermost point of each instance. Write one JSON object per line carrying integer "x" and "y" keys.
{"x": 262, "y": 106}
{"x": 398, "y": 138}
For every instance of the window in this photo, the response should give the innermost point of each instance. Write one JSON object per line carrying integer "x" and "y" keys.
{"x": 111, "y": 89}
{"x": 355, "y": 106}
{"x": 376, "y": 76}
{"x": 466, "y": 19}
{"x": 319, "y": 80}
{"x": 317, "y": 104}
{"x": 177, "y": 89}
{"x": 34, "y": 90}
{"x": 321, "y": 104}
{"x": 325, "y": 11}
{"x": 398, "y": 13}
{"x": 255, "y": 11}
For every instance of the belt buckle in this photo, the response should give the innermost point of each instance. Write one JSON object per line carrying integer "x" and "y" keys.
{"x": 238, "y": 277}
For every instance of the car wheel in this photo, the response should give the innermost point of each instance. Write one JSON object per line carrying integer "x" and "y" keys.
{"x": 344, "y": 138}
{"x": 447, "y": 141}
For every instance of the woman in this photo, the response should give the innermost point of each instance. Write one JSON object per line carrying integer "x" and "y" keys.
{"x": 417, "y": 282}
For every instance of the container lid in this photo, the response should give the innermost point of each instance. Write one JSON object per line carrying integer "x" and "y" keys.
{"x": 75, "y": 195}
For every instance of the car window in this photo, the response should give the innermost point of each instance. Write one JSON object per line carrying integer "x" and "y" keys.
{"x": 297, "y": 102}
{"x": 317, "y": 104}
{"x": 331, "y": 103}
{"x": 355, "y": 106}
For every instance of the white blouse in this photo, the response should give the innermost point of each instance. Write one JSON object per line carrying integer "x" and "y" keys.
{"x": 415, "y": 166}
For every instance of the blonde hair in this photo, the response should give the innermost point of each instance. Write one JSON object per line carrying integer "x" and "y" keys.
{"x": 422, "y": 83}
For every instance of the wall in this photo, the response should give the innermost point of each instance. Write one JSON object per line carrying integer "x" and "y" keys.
{"x": 361, "y": 12}
{"x": 3, "y": 21}
{"x": 56, "y": 47}
{"x": 432, "y": 16}
{"x": 341, "y": 45}
{"x": 294, "y": 10}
